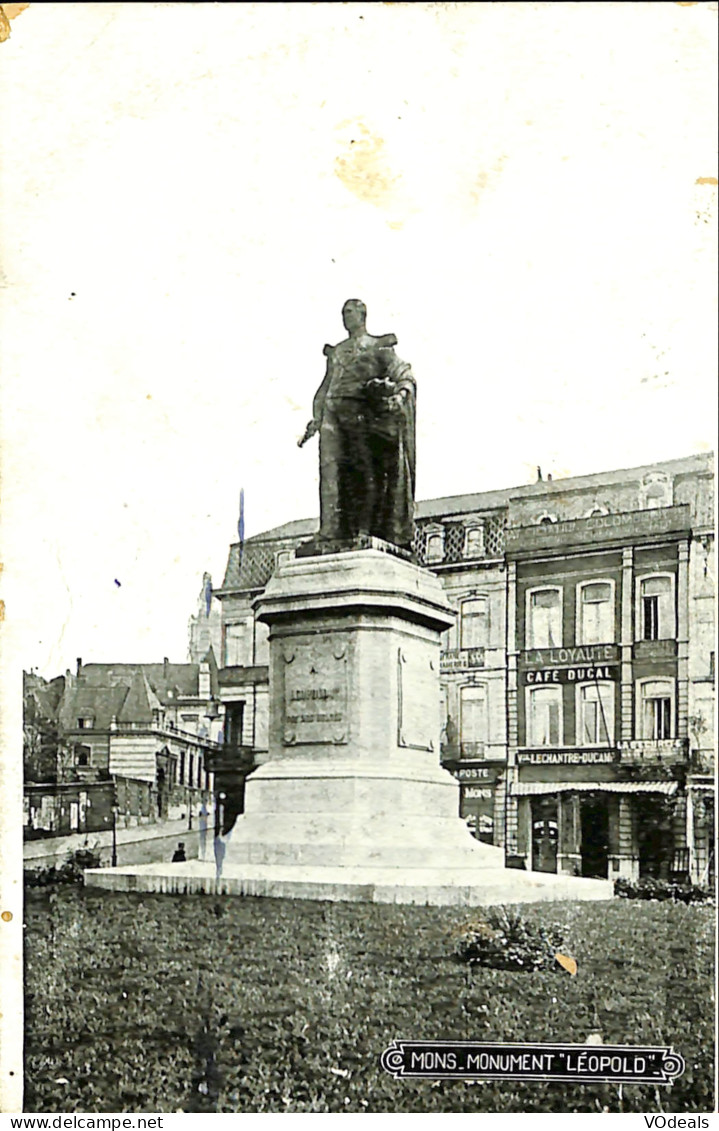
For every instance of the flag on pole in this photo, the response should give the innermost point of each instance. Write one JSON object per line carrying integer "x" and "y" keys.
{"x": 241, "y": 521}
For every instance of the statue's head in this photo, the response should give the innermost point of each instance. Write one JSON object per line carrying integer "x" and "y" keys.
{"x": 354, "y": 314}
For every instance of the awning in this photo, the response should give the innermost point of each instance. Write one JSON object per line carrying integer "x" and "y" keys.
{"x": 533, "y": 788}
{"x": 706, "y": 786}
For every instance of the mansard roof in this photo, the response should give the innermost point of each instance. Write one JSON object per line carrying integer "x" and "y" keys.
{"x": 251, "y": 564}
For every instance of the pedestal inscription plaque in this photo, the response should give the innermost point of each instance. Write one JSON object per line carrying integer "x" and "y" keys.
{"x": 418, "y": 700}
{"x": 315, "y": 692}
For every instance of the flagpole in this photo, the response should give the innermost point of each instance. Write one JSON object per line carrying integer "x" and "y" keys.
{"x": 241, "y": 522}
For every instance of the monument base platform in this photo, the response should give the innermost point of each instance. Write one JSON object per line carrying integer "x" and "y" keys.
{"x": 431, "y": 887}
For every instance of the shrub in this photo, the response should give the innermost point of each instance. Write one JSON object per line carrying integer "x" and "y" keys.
{"x": 505, "y": 940}
{"x": 649, "y": 888}
{"x": 68, "y": 873}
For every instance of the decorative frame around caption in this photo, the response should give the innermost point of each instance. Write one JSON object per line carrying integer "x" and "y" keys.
{"x": 462, "y": 1060}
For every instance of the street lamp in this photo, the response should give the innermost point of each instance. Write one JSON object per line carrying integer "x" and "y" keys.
{"x": 219, "y": 813}
{"x": 115, "y": 810}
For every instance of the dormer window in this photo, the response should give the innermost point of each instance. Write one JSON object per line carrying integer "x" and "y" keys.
{"x": 282, "y": 557}
{"x": 434, "y": 547}
{"x": 656, "y": 490}
{"x": 474, "y": 540}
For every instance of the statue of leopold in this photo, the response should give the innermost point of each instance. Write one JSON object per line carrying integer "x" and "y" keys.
{"x": 364, "y": 411}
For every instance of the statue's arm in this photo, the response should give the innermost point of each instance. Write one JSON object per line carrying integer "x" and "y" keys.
{"x": 318, "y": 403}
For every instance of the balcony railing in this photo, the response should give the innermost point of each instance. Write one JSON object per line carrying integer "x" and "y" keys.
{"x": 166, "y": 730}
{"x": 231, "y": 758}
{"x": 456, "y": 751}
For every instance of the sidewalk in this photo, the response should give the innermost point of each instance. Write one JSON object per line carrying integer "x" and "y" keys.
{"x": 144, "y": 844}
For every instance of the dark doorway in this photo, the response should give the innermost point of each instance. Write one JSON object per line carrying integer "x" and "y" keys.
{"x": 234, "y": 715}
{"x": 595, "y": 837}
{"x": 545, "y": 832}
{"x": 654, "y": 835}
{"x": 161, "y": 794}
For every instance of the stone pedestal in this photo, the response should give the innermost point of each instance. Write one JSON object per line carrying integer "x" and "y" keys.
{"x": 352, "y": 803}
{"x": 353, "y": 775}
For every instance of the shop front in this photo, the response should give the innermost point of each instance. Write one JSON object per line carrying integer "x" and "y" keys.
{"x": 479, "y": 805}
{"x": 588, "y": 823}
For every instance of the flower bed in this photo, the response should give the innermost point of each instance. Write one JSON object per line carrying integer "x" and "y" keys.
{"x": 649, "y": 888}
{"x": 162, "y": 1004}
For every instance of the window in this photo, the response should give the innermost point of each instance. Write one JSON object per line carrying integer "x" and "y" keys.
{"x": 236, "y": 645}
{"x": 234, "y": 715}
{"x": 199, "y": 770}
{"x": 84, "y": 723}
{"x": 656, "y": 490}
{"x": 595, "y": 620}
{"x": 474, "y": 623}
{"x": 435, "y": 548}
{"x": 544, "y": 716}
{"x": 182, "y": 767}
{"x": 83, "y": 758}
{"x": 595, "y": 714}
{"x": 544, "y": 629}
{"x": 656, "y": 608}
{"x": 656, "y": 709}
{"x": 474, "y": 542}
{"x": 473, "y": 720}
{"x": 262, "y": 643}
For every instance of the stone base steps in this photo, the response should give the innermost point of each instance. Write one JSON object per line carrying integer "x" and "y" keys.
{"x": 423, "y": 886}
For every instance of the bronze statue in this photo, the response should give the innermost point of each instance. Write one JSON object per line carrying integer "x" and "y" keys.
{"x": 364, "y": 411}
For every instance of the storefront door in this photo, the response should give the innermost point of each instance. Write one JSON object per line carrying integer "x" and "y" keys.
{"x": 595, "y": 837}
{"x": 545, "y": 830}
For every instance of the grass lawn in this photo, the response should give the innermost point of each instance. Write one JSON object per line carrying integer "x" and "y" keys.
{"x": 163, "y": 1003}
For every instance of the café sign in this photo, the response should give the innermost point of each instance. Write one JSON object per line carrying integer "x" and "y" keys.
{"x": 589, "y": 674}
{"x": 579, "y": 654}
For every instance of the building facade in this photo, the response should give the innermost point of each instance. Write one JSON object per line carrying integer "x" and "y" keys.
{"x": 577, "y": 684}
{"x": 151, "y": 729}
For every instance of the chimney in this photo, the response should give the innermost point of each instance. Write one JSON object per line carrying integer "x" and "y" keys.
{"x": 539, "y": 474}
{"x": 165, "y": 664}
{"x": 79, "y": 664}
{"x": 549, "y": 478}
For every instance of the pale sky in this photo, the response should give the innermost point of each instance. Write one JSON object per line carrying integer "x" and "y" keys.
{"x": 520, "y": 192}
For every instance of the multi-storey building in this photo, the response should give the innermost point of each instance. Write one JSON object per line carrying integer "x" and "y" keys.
{"x": 153, "y": 723}
{"x": 578, "y": 681}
